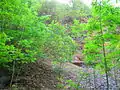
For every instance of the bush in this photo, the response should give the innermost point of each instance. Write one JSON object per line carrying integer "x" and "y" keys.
{"x": 24, "y": 37}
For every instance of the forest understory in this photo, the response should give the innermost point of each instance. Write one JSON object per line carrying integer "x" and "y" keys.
{"x": 41, "y": 76}
{"x": 57, "y": 45}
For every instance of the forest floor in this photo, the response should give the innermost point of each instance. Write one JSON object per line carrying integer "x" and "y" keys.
{"x": 89, "y": 78}
{"x": 41, "y": 76}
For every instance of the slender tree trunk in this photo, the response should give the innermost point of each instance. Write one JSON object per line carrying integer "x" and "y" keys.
{"x": 13, "y": 73}
{"x": 96, "y": 1}
{"x": 103, "y": 48}
{"x": 89, "y": 78}
{"x": 116, "y": 1}
{"x": 94, "y": 78}
{"x": 115, "y": 76}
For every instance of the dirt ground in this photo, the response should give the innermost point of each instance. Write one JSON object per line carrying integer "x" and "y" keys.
{"x": 38, "y": 75}
{"x": 41, "y": 76}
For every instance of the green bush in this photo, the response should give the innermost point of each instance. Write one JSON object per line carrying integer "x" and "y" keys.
{"x": 24, "y": 37}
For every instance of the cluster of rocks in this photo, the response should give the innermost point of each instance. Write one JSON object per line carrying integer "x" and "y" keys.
{"x": 98, "y": 81}
{"x": 88, "y": 78}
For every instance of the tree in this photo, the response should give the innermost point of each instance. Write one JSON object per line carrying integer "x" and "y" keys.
{"x": 103, "y": 37}
{"x": 24, "y": 34}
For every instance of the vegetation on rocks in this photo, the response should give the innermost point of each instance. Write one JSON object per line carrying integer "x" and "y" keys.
{"x": 33, "y": 32}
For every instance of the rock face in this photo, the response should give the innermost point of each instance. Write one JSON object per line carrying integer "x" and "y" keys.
{"x": 78, "y": 60}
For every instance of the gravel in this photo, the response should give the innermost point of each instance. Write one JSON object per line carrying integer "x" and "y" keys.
{"x": 98, "y": 81}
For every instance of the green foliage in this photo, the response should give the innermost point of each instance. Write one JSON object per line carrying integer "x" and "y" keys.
{"x": 58, "y": 10}
{"x": 21, "y": 25}
{"x": 8, "y": 53}
{"x": 77, "y": 29}
{"x": 60, "y": 46}
{"x": 24, "y": 37}
{"x": 108, "y": 17}
{"x": 72, "y": 84}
